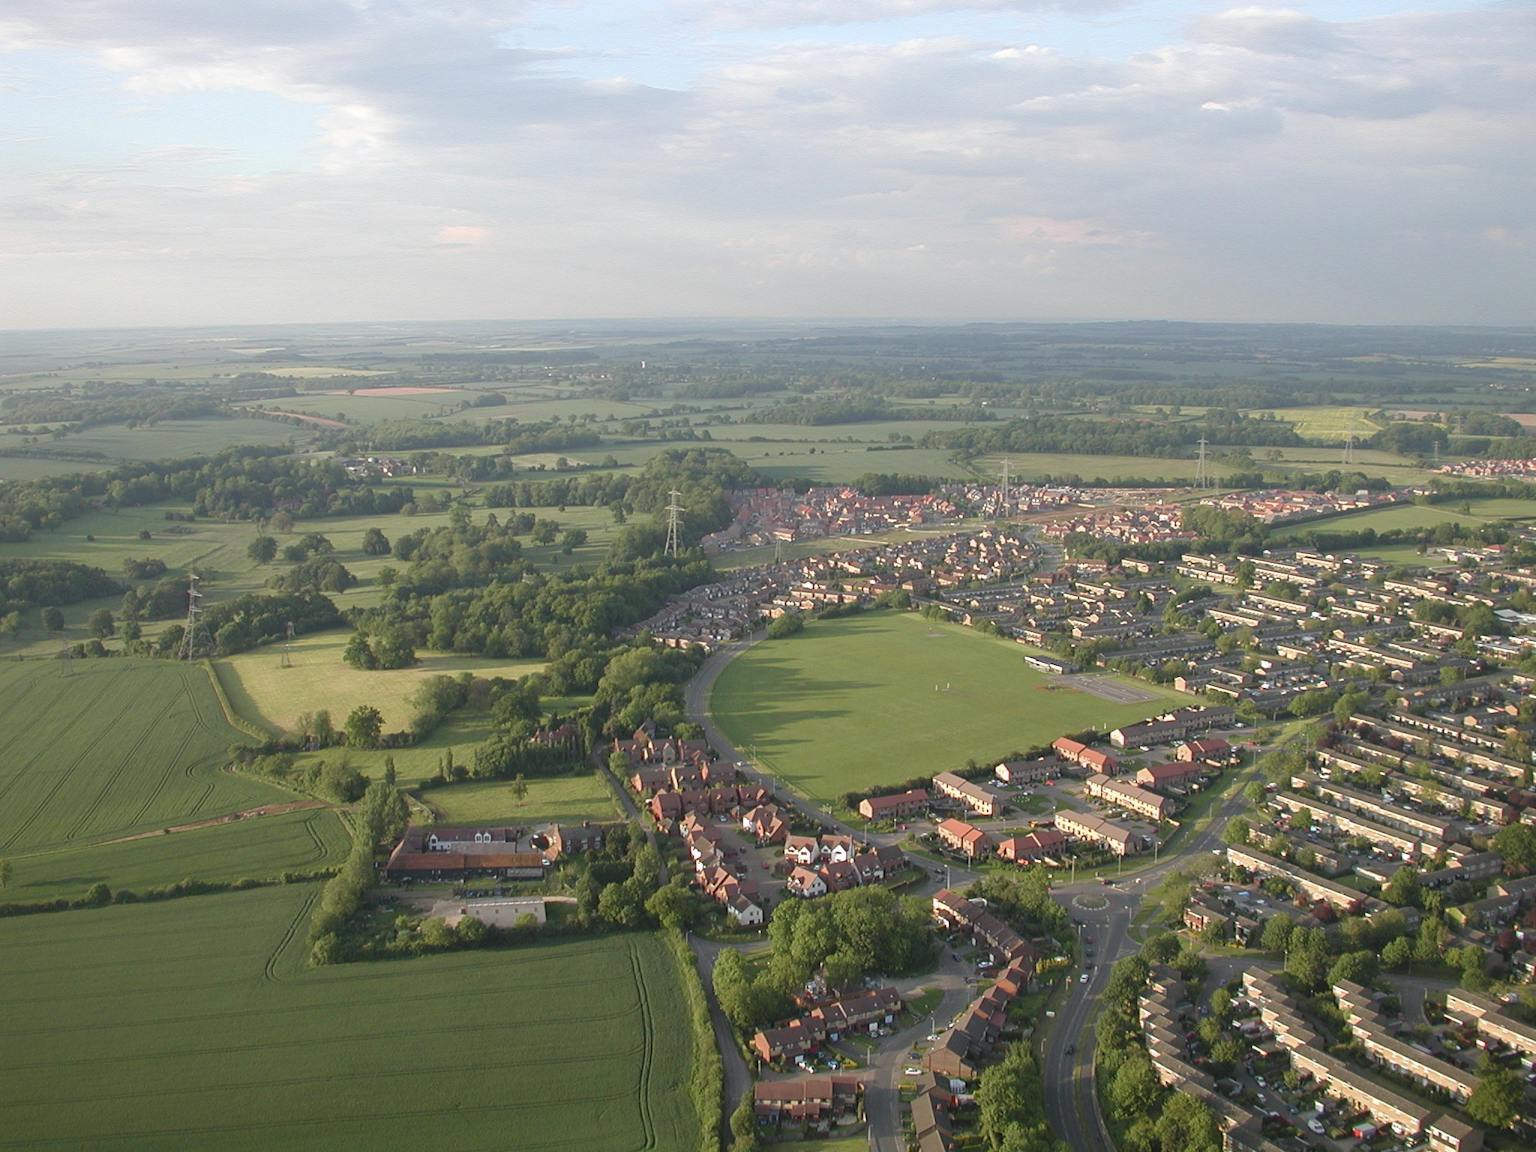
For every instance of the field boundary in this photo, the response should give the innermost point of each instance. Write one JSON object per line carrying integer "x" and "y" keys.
{"x": 236, "y": 721}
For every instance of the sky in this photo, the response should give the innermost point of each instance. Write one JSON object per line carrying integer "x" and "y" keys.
{"x": 188, "y": 162}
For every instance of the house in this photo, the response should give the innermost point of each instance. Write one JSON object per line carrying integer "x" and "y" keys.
{"x": 1176, "y": 725}
{"x": 973, "y": 796}
{"x": 776, "y": 1045}
{"x": 1074, "y": 752}
{"x": 1131, "y": 797}
{"x": 1044, "y": 844}
{"x": 1027, "y": 771}
{"x": 966, "y": 839}
{"x": 747, "y": 913}
{"x": 812, "y": 1103}
{"x": 1211, "y": 750}
{"x": 806, "y": 884}
{"x": 765, "y": 824}
{"x": 1163, "y": 777}
{"x": 1116, "y": 838}
{"x": 467, "y": 853}
{"x": 802, "y": 849}
{"x": 931, "y": 1125}
{"x": 908, "y": 803}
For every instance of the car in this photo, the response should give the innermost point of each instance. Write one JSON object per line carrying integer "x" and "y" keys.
{"x": 1315, "y": 1126}
{"x": 1083, "y": 979}
{"x": 911, "y": 1071}
{"x": 1071, "y": 1049}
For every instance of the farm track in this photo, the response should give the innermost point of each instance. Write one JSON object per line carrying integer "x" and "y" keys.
{"x": 647, "y": 1125}
{"x": 269, "y": 970}
{"x": 309, "y": 826}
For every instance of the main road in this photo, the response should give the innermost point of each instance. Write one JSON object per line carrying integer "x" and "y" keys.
{"x": 1103, "y": 912}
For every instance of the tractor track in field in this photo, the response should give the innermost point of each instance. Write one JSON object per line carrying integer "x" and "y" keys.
{"x": 647, "y": 1059}
{"x": 122, "y": 765}
{"x": 199, "y": 725}
{"x": 269, "y": 970}
{"x": 64, "y": 776}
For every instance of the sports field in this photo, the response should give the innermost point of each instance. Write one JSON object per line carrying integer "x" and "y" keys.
{"x": 194, "y": 1024}
{"x": 567, "y": 799}
{"x": 118, "y": 746}
{"x": 263, "y": 691}
{"x": 256, "y": 848}
{"x": 883, "y": 697}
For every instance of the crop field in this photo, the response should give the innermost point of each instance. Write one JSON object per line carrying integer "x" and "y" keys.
{"x": 195, "y": 1024}
{"x": 259, "y": 848}
{"x": 1026, "y": 466}
{"x": 399, "y": 405}
{"x": 1405, "y": 516}
{"x": 166, "y": 440}
{"x": 880, "y": 698}
{"x": 118, "y": 746}
{"x": 262, "y": 690}
{"x": 568, "y": 799}
{"x": 1333, "y": 423}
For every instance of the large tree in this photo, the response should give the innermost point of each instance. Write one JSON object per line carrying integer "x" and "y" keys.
{"x": 1497, "y": 1097}
{"x": 364, "y": 726}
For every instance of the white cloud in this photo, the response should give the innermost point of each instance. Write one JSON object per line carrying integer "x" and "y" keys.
{"x": 1264, "y": 165}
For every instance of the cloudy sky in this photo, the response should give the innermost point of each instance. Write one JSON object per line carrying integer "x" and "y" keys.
{"x": 213, "y": 161}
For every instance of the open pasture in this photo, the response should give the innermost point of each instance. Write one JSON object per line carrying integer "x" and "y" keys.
{"x": 567, "y": 799}
{"x": 117, "y": 746}
{"x": 1409, "y": 517}
{"x": 882, "y": 697}
{"x": 257, "y": 847}
{"x": 263, "y": 691}
{"x": 194, "y": 1024}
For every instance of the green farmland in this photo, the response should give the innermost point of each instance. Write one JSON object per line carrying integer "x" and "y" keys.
{"x": 256, "y": 848}
{"x": 852, "y": 703}
{"x": 567, "y": 799}
{"x": 195, "y": 1024}
{"x": 261, "y": 689}
{"x": 120, "y": 746}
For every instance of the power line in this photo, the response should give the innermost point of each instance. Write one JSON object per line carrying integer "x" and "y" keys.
{"x": 1200, "y": 476}
{"x": 194, "y": 637}
{"x": 288, "y": 646}
{"x": 674, "y": 522}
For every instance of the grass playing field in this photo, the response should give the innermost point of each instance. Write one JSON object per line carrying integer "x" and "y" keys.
{"x": 567, "y": 799}
{"x": 883, "y": 697}
{"x": 194, "y": 1024}
{"x": 263, "y": 691}
{"x": 258, "y": 848}
{"x": 119, "y": 746}
{"x": 1332, "y": 424}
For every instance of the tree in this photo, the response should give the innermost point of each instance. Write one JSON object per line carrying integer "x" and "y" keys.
{"x": 1516, "y": 846}
{"x": 519, "y": 788}
{"x": 744, "y": 1125}
{"x": 789, "y": 624}
{"x": 1236, "y": 831}
{"x": 733, "y": 988}
{"x": 364, "y": 725}
{"x": 1404, "y": 889}
{"x": 5, "y": 873}
{"x": 1356, "y": 967}
{"x": 1497, "y": 1098}
{"x": 263, "y": 549}
{"x": 53, "y": 620}
{"x": 375, "y": 543}
{"x": 1186, "y": 1125}
{"x": 1307, "y": 958}
{"x": 100, "y": 624}
{"x": 389, "y": 770}
{"x": 1397, "y": 954}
